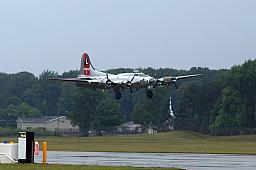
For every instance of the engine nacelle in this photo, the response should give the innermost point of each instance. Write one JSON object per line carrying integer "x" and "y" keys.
{"x": 168, "y": 79}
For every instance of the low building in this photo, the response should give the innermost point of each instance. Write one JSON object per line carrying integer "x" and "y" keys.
{"x": 47, "y": 123}
{"x": 129, "y": 127}
{"x": 152, "y": 130}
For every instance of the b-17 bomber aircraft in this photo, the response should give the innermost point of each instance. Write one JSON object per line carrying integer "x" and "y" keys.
{"x": 91, "y": 78}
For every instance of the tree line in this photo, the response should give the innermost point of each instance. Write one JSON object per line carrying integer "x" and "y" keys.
{"x": 220, "y": 99}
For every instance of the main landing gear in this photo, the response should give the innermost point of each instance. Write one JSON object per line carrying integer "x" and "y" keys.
{"x": 118, "y": 95}
{"x": 149, "y": 94}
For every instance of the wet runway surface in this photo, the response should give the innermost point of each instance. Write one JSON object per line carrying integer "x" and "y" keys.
{"x": 179, "y": 160}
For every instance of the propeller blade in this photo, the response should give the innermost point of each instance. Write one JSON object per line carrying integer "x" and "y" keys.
{"x": 131, "y": 90}
{"x": 158, "y": 82}
{"x": 108, "y": 82}
{"x": 175, "y": 84}
{"x": 133, "y": 77}
{"x": 129, "y": 83}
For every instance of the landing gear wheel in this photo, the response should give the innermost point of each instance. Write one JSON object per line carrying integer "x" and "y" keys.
{"x": 118, "y": 95}
{"x": 149, "y": 94}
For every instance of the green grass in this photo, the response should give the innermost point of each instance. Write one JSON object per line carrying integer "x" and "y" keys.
{"x": 178, "y": 141}
{"x": 70, "y": 167}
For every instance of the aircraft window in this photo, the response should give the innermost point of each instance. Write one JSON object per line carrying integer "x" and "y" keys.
{"x": 142, "y": 75}
{"x": 136, "y": 74}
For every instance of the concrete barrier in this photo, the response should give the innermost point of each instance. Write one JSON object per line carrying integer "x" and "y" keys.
{"x": 9, "y": 151}
{"x": 4, "y": 158}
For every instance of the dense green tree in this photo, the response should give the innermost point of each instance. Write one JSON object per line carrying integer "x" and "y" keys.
{"x": 230, "y": 110}
{"x": 9, "y": 115}
{"x": 219, "y": 99}
{"x": 84, "y": 104}
{"x": 141, "y": 116}
{"x": 107, "y": 115}
{"x": 25, "y": 110}
{"x": 243, "y": 79}
{"x": 48, "y": 93}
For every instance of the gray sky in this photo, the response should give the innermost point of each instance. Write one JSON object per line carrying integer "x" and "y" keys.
{"x": 36, "y": 35}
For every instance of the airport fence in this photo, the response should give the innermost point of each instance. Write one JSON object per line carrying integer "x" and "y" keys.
{"x": 67, "y": 132}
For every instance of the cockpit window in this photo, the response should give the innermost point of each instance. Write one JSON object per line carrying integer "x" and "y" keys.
{"x": 140, "y": 74}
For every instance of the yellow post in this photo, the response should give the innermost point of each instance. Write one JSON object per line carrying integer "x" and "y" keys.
{"x": 44, "y": 153}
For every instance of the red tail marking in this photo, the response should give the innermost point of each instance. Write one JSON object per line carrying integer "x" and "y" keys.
{"x": 86, "y": 64}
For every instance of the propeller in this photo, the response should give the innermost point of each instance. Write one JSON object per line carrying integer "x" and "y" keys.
{"x": 175, "y": 84}
{"x": 129, "y": 83}
{"x": 169, "y": 80}
{"x": 157, "y": 81}
{"x": 108, "y": 82}
{"x": 174, "y": 79}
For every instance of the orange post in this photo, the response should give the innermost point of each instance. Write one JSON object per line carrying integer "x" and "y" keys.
{"x": 44, "y": 153}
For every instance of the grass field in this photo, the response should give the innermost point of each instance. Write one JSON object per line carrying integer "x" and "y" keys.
{"x": 178, "y": 141}
{"x": 71, "y": 167}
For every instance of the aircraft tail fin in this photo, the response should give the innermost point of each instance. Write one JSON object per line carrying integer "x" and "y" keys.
{"x": 87, "y": 69}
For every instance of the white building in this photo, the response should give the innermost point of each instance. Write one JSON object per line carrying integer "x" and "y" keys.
{"x": 129, "y": 127}
{"x": 48, "y": 123}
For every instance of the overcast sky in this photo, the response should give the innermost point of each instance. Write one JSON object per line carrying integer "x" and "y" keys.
{"x": 36, "y": 35}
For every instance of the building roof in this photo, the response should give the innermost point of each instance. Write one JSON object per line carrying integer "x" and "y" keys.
{"x": 44, "y": 119}
{"x": 129, "y": 124}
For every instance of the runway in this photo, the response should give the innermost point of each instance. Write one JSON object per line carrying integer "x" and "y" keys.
{"x": 179, "y": 160}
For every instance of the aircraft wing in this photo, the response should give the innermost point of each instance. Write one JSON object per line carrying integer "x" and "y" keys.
{"x": 187, "y": 76}
{"x": 69, "y": 79}
{"x": 139, "y": 85}
{"x": 124, "y": 84}
{"x": 81, "y": 82}
{"x": 172, "y": 80}
{"x": 98, "y": 84}
{"x": 145, "y": 83}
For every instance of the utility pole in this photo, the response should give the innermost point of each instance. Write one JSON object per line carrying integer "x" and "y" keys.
{"x": 254, "y": 110}
{"x": 58, "y": 117}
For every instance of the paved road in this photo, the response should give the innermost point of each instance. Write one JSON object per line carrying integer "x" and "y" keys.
{"x": 186, "y": 161}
